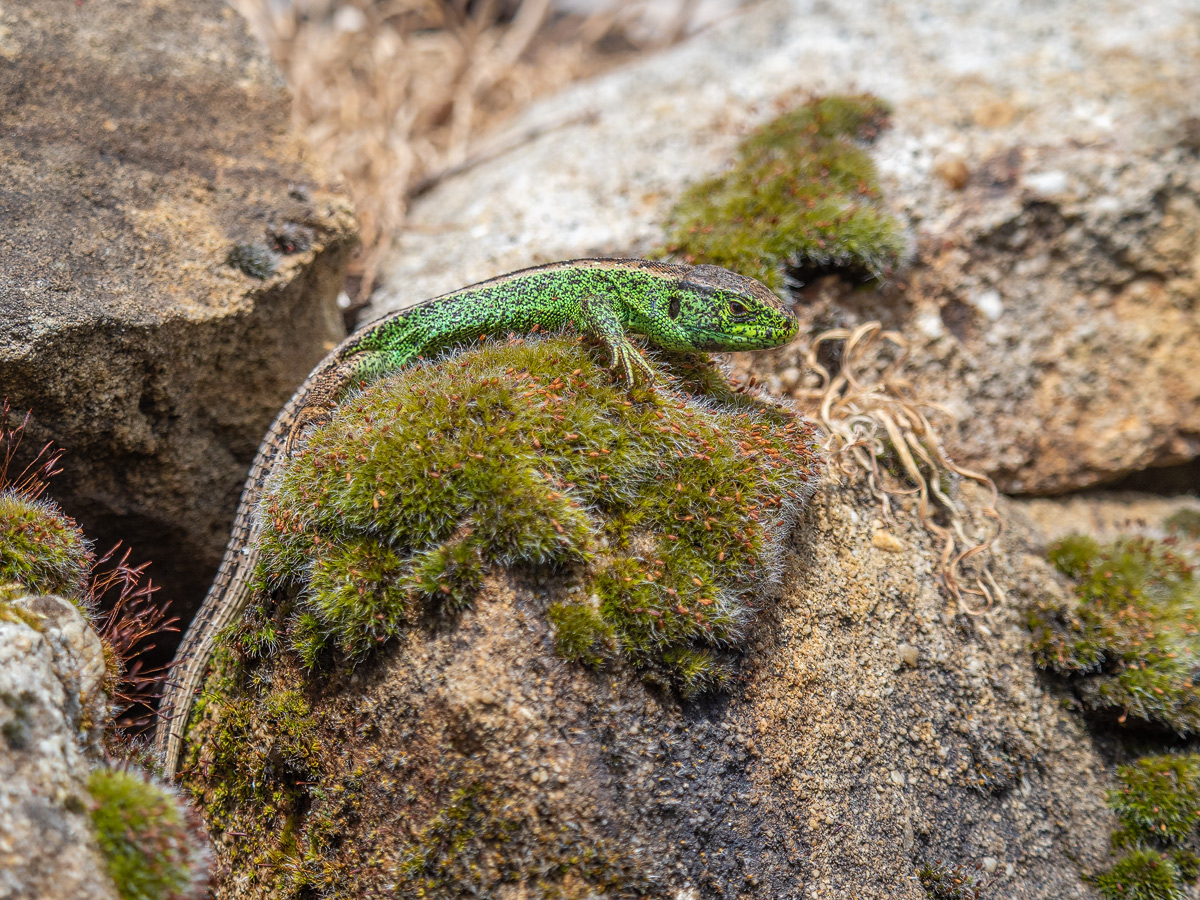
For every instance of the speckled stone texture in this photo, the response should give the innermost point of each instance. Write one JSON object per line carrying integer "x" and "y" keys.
{"x": 1051, "y": 301}
{"x": 870, "y": 729}
{"x": 52, "y": 708}
{"x": 140, "y": 142}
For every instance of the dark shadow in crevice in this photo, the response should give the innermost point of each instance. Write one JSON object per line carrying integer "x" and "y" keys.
{"x": 1168, "y": 481}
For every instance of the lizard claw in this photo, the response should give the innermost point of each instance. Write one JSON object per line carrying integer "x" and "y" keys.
{"x": 628, "y": 363}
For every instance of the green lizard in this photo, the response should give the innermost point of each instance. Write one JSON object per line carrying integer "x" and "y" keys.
{"x": 687, "y": 308}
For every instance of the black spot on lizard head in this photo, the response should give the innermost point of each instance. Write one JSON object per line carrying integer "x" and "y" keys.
{"x": 722, "y": 310}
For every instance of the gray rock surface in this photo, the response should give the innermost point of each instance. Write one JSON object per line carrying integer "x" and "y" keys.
{"x": 52, "y": 708}
{"x": 139, "y": 144}
{"x": 1052, "y": 300}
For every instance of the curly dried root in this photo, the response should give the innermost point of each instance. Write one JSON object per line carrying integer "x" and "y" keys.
{"x": 871, "y": 421}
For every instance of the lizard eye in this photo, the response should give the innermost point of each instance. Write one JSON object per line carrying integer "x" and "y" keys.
{"x": 736, "y": 308}
{"x": 673, "y": 308}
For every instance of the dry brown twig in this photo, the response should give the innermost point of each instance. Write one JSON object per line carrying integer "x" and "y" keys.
{"x": 869, "y": 421}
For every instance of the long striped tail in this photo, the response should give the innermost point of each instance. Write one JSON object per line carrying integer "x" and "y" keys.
{"x": 230, "y": 593}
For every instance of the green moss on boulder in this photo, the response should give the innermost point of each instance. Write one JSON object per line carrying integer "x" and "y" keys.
{"x": 41, "y": 548}
{"x": 802, "y": 193}
{"x": 1129, "y": 640}
{"x": 650, "y": 523}
{"x": 669, "y": 506}
{"x": 1142, "y": 875}
{"x": 154, "y": 849}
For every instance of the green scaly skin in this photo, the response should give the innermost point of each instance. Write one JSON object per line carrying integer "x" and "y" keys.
{"x": 680, "y": 308}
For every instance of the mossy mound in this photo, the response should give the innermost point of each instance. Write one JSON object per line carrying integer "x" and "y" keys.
{"x": 153, "y": 847}
{"x": 1130, "y": 640}
{"x": 638, "y": 528}
{"x": 1159, "y": 800}
{"x": 668, "y": 506}
{"x": 802, "y": 194}
{"x": 41, "y": 548}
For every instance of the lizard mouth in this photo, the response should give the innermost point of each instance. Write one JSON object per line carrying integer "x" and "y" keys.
{"x": 761, "y": 338}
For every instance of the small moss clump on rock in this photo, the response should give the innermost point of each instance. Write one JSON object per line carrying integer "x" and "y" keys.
{"x": 480, "y": 839}
{"x": 1142, "y": 875}
{"x": 802, "y": 194}
{"x": 1129, "y": 640}
{"x": 952, "y": 881}
{"x": 580, "y": 635}
{"x": 1159, "y": 800}
{"x": 669, "y": 506}
{"x": 41, "y": 548}
{"x": 154, "y": 848}
{"x": 1158, "y": 805}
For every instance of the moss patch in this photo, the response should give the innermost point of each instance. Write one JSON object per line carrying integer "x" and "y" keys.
{"x": 951, "y": 881}
{"x": 1158, "y": 804}
{"x": 580, "y": 634}
{"x": 669, "y": 507}
{"x": 41, "y": 548}
{"x": 479, "y": 839}
{"x": 802, "y": 193}
{"x": 1142, "y": 875}
{"x": 265, "y": 743}
{"x": 152, "y": 849}
{"x": 1158, "y": 801}
{"x": 1130, "y": 638}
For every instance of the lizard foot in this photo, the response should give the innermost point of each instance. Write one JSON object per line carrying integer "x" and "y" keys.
{"x": 628, "y": 364}
{"x": 309, "y": 419}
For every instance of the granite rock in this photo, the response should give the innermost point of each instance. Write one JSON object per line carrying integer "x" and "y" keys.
{"x": 52, "y": 709}
{"x": 171, "y": 263}
{"x": 871, "y": 729}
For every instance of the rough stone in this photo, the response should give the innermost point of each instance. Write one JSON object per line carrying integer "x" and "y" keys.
{"x": 833, "y": 767}
{"x": 141, "y": 144}
{"x": 52, "y": 708}
{"x": 1106, "y": 515}
{"x": 1044, "y": 160}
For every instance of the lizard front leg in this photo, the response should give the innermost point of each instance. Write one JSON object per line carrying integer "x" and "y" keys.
{"x": 600, "y": 320}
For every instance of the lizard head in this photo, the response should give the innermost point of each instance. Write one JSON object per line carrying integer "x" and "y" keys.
{"x": 720, "y": 310}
